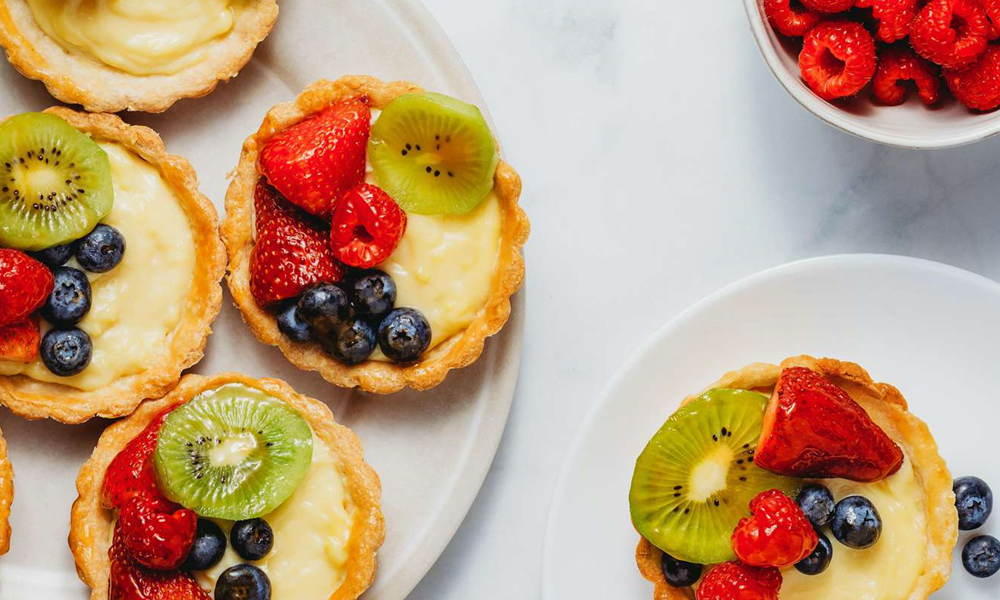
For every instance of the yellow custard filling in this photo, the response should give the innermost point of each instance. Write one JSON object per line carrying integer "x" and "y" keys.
{"x": 137, "y": 305}
{"x": 140, "y": 37}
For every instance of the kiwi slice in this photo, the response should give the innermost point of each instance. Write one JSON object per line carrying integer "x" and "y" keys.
{"x": 695, "y": 479}
{"x": 55, "y": 182}
{"x": 232, "y": 453}
{"x": 433, "y": 154}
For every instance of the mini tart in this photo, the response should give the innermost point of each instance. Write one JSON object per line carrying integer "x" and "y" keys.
{"x": 91, "y": 524}
{"x": 459, "y": 350}
{"x": 33, "y": 399}
{"x": 887, "y": 407}
{"x": 6, "y": 496}
{"x": 98, "y": 87}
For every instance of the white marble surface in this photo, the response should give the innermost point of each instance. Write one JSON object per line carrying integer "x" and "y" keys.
{"x": 662, "y": 161}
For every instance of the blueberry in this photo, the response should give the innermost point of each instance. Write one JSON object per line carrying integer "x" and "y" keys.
{"x": 292, "y": 326}
{"x": 252, "y": 539}
{"x": 817, "y": 503}
{"x": 324, "y": 306}
{"x": 981, "y": 556}
{"x": 53, "y": 257}
{"x": 101, "y": 250}
{"x": 243, "y": 582}
{"x": 679, "y": 573}
{"x": 66, "y": 351}
{"x": 351, "y": 342}
{"x": 856, "y": 523}
{"x": 208, "y": 549}
{"x": 70, "y": 299}
{"x": 819, "y": 560}
{"x": 974, "y": 501}
{"x": 404, "y": 334}
{"x": 373, "y": 293}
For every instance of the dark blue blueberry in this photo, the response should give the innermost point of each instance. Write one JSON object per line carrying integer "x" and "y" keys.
{"x": 373, "y": 294}
{"x": 679, "y": 573}
{"x": 404, "y": 335}
{"x": 208, "y": 549}
{"x": 53, "y": 257}
{"x": 70, "y": 299}
{"x": 351, "y": 342}
{"x": 252, "y": 539}
{"x": 981, "y": 556}
{"x": 324, "y": 306}
{"x": 819, "y": 560}
{"x": 817, "y": 503}
{"x": 243, "y": 582}
{"x": 101, "y": 250}
{"x": 856, "y": 523}
{"x": 292, "y": 326}
{"x": 66, "y": 351}
{"x": 974, "y": 501}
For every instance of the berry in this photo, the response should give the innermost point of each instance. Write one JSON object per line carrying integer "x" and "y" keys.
{"x": 131, "y": 472}
{"x": 324, "y": 307}
{"x": 252, "y": 539}
{"x": 828, "y": 6}
{"x": 25, "y": 283}
{"x": 898, "y": 65}
{"x": 819, "y": 559}
{"x": 156, "y": 533}
{"x": 66, "y": 352}
{"x": 404, "y": 335}
{"x": 351, "y": 342}
{"x": 131, "y": 581}
{"x": 837, "y": 59}
{"x": 679, "y": 573}
{"x": 208, "y": 548}
{"x": 992, "y": 8}
{"x": 981, "y": 556}
{"x": 951, "y": 33}
{"x": 974, "y": 501}
{"x": 101, "y": 250}
{"x": 53, "y": 257}
{"x": 856, "y": 523}
{"x": 790, "y": 18}
{"x": 243, "y": 582}
{"x": 292, "y": 326}
{"x": 894, "y": 18}
{"x": 367, "y": 227}
{"x": 314, "y": 162}
{"x": 776, "y": 535}
{"x": 816, "y": 503}
{"x": 19, "y": 341}
{"x": 733, "y": 581}
{"x": 373, "y": 294}
{"x": 978, "y": 85}
{"x": 70, "y": 299}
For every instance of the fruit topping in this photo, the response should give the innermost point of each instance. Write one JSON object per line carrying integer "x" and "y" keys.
{"x": 433, "y": 154}
{"x": 898, "y": 65}
{"x": 130, "y": 473}
{"x": 101, "y": 250}
{"x": 828, "y": 6}
{"x": 53, "y": 257}
{"x": 978, "y": 85}
{"x": 694, "y": 480}
{"x": 156, "y": 533}
{"x": 367, "y": 227}
{"x": 404, "y": 335}
{"x": 856, "y": 523}
{"x": 55, "y": 182}
{"x": 679, "y": 573}
{"x": 817, "y": 504}
{"x": 70, "y": 299}
{"x": 324, "y": 307}
{"x": 819, "y": 559}
{"x": 252, "y": 539}
{"x": 19, "y": 341}
{"x": 243, "y": 582}
{"x": 837, "y": 59}
{"x": 372, "y": 294}
{"x": 981, "y": 556}
{"x": 66, "y": 352}
{"x": 951, "y": 33}
{"x": 974, "y": 502}
{"x": 131, "y": 581}
{"x": 776, "y": 535}
{"x": 314, "y": 162}
{"x": 208, "y": 548}
{"x": 25, "y": 283}
{"x": 733, "y": 581}
{"x": 292, "y": 325}
{"x": 351, "y": 342}
{"x": 791, "y": 18}
{"x": 814, "y": 429}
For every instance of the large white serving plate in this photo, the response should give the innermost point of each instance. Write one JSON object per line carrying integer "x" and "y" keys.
{"x": 432, "y": 449}
{"x": 930, "y": 329}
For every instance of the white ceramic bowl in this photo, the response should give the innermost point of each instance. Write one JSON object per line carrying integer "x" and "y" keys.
{"x": 911, "y": 125}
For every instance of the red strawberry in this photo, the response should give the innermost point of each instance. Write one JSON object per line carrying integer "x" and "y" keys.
{"x": 367, "y": 227}
{"x": 19, "y": 341}
{"x": 292, "y": 251}
{"x": 777, "y": 535}
{"x": 130, "y": 581}
{"x": 898, "y": 65}
{"x": 837, "y": 59}
{"x": 951, "y": 33}
{"x": 790, "y": 18}
{"x": 813, "y": 429}
{"x": 733, "y": 581}
{"x": 978, "y": 85}
{"x": 131, "y": 472}
{"x": 157, "y": 534}
{"x": 314, "y": 162}
{"x": 25, "y": 284}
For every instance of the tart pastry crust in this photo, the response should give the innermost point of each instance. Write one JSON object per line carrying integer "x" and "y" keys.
{"x": 887, "y": 407}
{"x": 33, "y": 399}
{"x": 90, "y": 527}
{"x": 6, "y": 496}
{"x": 77, "y": 79}
{"x": 458, "y": 351}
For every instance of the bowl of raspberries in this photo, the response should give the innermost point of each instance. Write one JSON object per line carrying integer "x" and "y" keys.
{"x": 909, "y": 73}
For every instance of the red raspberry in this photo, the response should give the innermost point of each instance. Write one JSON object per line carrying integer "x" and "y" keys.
{"x": 157, "y": 534}
{"x": 777, "y": 535}
{"x": 829, "y": 6}
{"x": 978, "y": 85}
{"x": 733, "y": 581}
{"x": 864, "y": 3}
{"x": 131, "y": 473}
{"x": 951, "y": 33}
{"x": 367, "y": 227}
{"x": 899, "y": 64}
{"x": 837, "y": 59}
{"x": 992, "y": 8}
{"x": 791, "y": 18}
{"x": 894, "y": 18}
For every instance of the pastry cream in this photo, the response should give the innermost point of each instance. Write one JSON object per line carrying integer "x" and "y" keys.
{"x": 140, "y": 37}
{"x": 137, "y": 305}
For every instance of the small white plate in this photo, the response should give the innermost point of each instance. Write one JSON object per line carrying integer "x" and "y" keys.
{"x": 927, "y": 328}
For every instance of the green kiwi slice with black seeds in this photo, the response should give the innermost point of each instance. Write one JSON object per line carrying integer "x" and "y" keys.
{"x": 55, "y": 182}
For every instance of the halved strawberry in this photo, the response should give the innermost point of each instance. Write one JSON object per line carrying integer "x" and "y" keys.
{"x": 130, "y": 581}
{"x": 814, "y": 429}
{"x": 158, "y": 534}
{"x": 19, "y": 341}
{"x": 131, "y": 472}
{"x": 25, "y": 284}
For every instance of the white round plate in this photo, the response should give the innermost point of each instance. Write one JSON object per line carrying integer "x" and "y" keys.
{"x": 929, "y": 329}
{"x": 431, "y": 449}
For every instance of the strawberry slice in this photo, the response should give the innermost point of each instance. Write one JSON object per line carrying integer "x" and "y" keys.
{"x": 367, "y": 227}
{"x": 25, "y": 284}
{"x": 131, "y": 473}
{"x": 158, "y": 534}
{"x": 130, "y": 581}
{"x": 814, "y": 429}
{"x": 314, "y": 162}
{"x": 19, "y": 341}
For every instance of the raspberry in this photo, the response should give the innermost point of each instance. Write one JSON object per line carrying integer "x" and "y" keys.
{"x": 992, "y": 8}
{"x": 157, "y": 534}
{"x": 777, "y": 535}
{"x": 899, "y": 64}
{"x": 733, "y": 581}
{"x": 894, "y": 18}
{"x": 951, "y": 33}
{"x": 978, "y": 85}
{"x": 837, "y": 59}
{"x": 367, "y": 226}
{"x": 791, "y": 18}
{"x": 828, "y": 6}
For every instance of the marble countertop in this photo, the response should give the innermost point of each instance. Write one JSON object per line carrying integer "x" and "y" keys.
{"x": 661, "y": 161}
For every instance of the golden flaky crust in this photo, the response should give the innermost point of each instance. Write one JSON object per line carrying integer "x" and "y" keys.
{"x": 38, "y": 400}
{"x": 6, "y": 495}
{"x": 888, "y": 408}
{"x": 379, "y": 377}
{"x": 90, "y": 526}
{"x": 78, "y": 79}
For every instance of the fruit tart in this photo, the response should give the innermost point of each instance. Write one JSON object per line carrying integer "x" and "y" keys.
{"x": 805, "y": 480}
{"x": 229, "y": 488}
{"x": 112, "y": 55}
{"x": 374, "y": 234}
{"x": 110, "y": 266}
